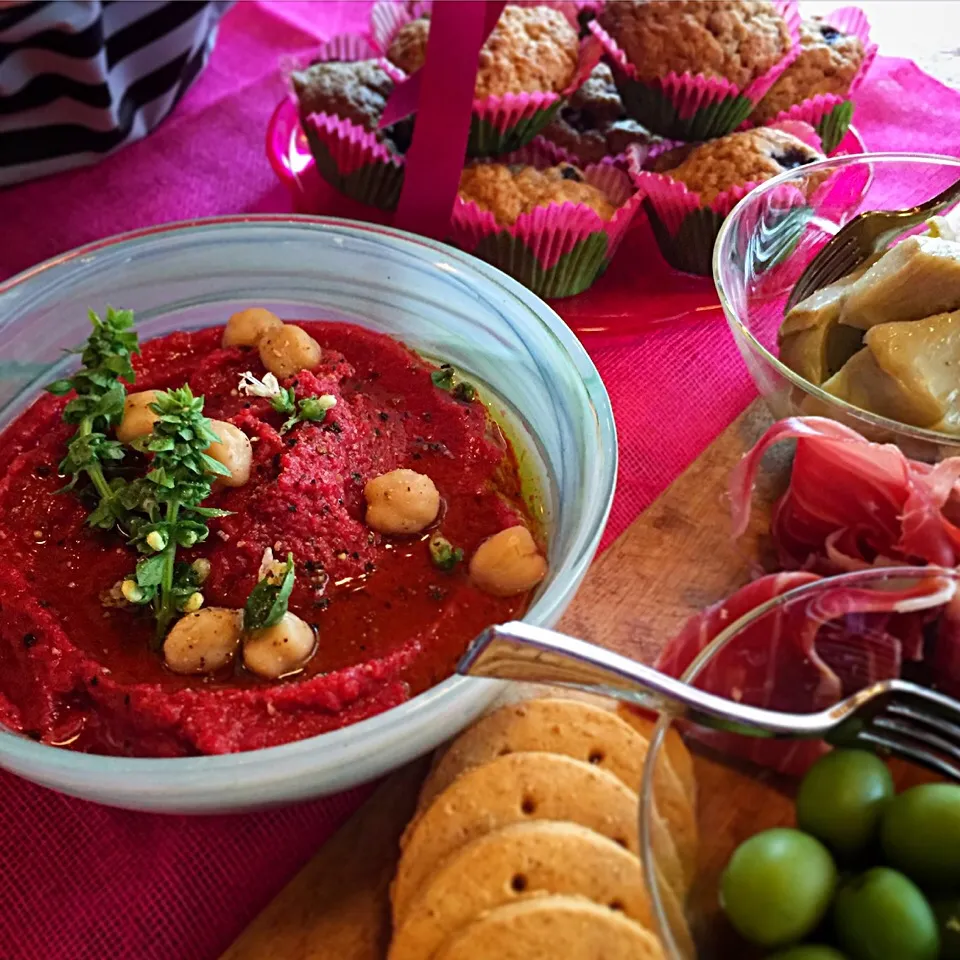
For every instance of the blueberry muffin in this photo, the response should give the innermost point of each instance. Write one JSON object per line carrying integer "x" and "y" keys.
{"x": 508, "y": 191}
{"x": 593, "y": 124}
{"x": 736, "y": 39}
{"x": 531, "y": 49}
{"x": 828, "y": 63}
{"x": 357, "y": 91}
{"x": 749, "y": 156}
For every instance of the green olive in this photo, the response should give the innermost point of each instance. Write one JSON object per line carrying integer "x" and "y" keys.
{"x": 882, "y": 915}
{"x": 841, "y": 800}
{"x": 778, "y": 886}
{"x": 920, "y": 831}
{"x": 809, "y": 951}
{"x": 947, "y": 912}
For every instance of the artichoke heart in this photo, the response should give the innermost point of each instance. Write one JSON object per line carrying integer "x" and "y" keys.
{"x": 907, "y": 371}
{"x": 917, "y": 278}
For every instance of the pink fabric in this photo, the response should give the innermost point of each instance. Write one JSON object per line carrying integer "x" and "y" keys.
{"x": 78, "y": 882}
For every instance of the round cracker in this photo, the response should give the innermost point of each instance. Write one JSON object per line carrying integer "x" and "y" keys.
{"x": 570, "y": 727}
{"x": 522, "y": 860}
{"x": 674, "y": 747}
{"x": 586, "y": 732}
{"x": 512, "y": 789}
{"x": 546, "y": 928}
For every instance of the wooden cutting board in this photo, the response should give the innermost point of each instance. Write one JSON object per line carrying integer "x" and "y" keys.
{"x": 676, "y": 558}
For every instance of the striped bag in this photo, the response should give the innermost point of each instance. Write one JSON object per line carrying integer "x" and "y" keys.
{"x": 82, "y": 78}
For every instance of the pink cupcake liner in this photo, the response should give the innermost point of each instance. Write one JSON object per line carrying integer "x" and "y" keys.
{"x": 694, "y": 106}
{"x": 685, "y": 227}
{"x": 558, "y": 250}
{"x": 499, "y": 123}
{"x": 349, "y": 157}
{"x": 830, "y": 113}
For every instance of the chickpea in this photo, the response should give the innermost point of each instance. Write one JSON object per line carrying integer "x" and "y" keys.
{"x": 138, "y": 419}
{"x": 401, "y": 501}
{"x": 234, "y": 451}
{"x": 508, "y": 563}
{"x": 204, "y": 641}
{"x": 275, "y": 651}
{"x": 244, "y": 329}
{"x": 288, "y": 350}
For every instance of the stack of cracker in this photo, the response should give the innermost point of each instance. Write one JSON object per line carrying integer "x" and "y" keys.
{"x": 525, "y": 842}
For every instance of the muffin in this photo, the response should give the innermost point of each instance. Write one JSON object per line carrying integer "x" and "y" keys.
{"x": 531, "y": 62}
{"x": 750, "y": 156}
{"x": 689, "y": 191}
{"x": 340, "y": 99}
{"x": 508, "y": 191}
{"x": 553, "y": 227}
{"x": 531, "y": 49}
{"x": 693, "y": 69}
{"x": 835, "y": 54}
{"x": 828, "y": 62}
{"x": 593, "y": 124}
{"x": 356, "y": 91}
{"x": 738, "y": 40}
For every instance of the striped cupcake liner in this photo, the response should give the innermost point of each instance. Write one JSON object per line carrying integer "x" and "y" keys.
{"x": 686, "y": 229}
{"x": 828, "y": 113}
{"x": 694, "y": 106}
{"x": 499, "y": 124}
{"x": 558, "y": 250}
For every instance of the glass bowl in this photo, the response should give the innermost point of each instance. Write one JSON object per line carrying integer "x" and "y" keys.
{"x": 770, "y": 237}
{"x": 534, "y": 375}
{"x": 745, "y": 785}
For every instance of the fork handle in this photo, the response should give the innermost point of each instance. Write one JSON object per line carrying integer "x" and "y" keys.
{"x": 522, "y": 652}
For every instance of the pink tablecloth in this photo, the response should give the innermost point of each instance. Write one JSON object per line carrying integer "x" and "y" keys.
{"x": 78, "y": 882}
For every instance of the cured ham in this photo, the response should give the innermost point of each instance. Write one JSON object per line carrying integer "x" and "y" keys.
{"x": 853, "y": 504}
{"x": 814, "y": 649}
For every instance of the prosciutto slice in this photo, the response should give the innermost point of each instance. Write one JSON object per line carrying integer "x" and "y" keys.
{"x": 805, "y": 655}
{"x": 853, "y": 504}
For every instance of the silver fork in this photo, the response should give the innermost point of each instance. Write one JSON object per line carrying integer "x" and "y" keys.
{"x": 866, "y": 234}
{"x": 911, "y": 721}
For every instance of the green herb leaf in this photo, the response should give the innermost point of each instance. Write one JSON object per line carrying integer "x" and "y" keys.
{"x": 150, "y": 571}
{"x": 268, "y": 600}
{"x": 284, "y": 401}
{"x": 465, "y": 391}
{"x": 446, "y": 378}
{"x": 443, "y": 554}
{"x": 443, "y": 378}
{"x": 312, "y": 409}
{"x": 97, "y": 407}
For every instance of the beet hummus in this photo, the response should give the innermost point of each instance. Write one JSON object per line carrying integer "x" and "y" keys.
{"x": 78, "y": 671}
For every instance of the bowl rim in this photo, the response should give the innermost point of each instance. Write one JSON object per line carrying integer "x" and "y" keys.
{"x": 720, "y": 254}
{"x": 385, "y": 729}
{"x": 665, "y": 720}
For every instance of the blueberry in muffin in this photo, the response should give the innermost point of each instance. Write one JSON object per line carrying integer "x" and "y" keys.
{"x": 829, "y": 61}
{"x": 507, "y": 191}
{"x": 594, "y": 124}
{"x": 739, "y": 40}
{"x": 531, "y": 49}
{"x": 749, "y": 156}
{"x": 356, "y": 91}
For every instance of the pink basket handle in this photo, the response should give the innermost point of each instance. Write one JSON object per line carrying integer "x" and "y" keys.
{"x": 441, "y": 94}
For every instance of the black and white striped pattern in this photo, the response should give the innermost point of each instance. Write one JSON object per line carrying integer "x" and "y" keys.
{"x": 81, "y": 78}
